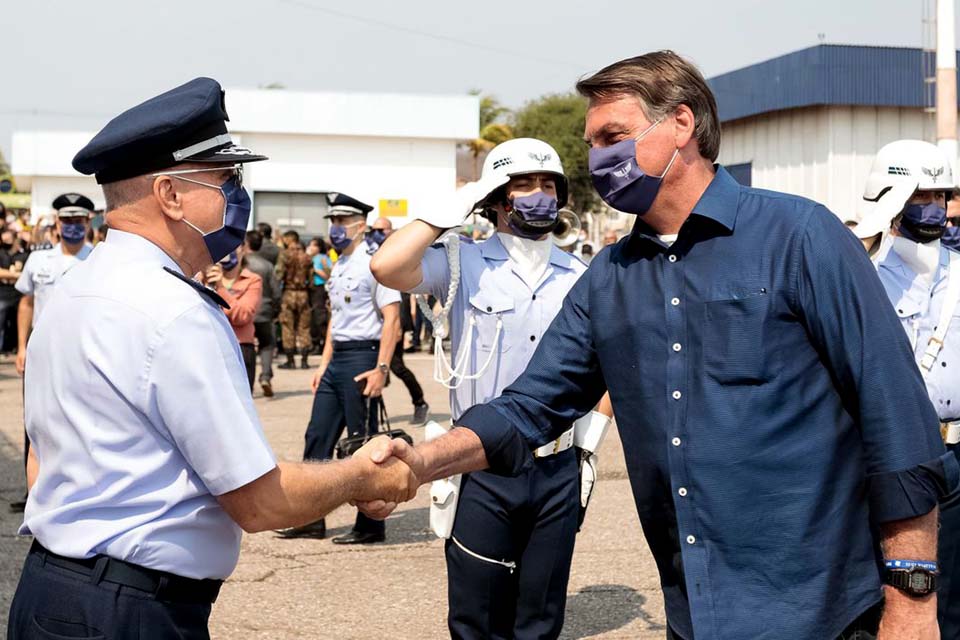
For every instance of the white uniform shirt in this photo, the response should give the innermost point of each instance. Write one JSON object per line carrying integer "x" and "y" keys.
{"x": 490, "y": 289}
{"x": 139, "y": 412}
{"x": 918, "y": 305}
{"x": 354, "y": 313}
{"x": 42, "y": 270}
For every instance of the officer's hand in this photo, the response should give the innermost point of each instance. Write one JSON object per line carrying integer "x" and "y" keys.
{"x": 382, "y": 450}
{"x": 317, "y": 377}
{"x": 375, "y": 381}
{"x": 213, "y": 275}
{"x": 390, "y": 480}
{"x": 21, "y": 361}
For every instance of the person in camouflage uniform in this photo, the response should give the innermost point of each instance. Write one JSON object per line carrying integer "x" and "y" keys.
{"x": 295, "y": 271}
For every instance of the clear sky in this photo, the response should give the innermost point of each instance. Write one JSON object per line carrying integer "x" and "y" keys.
{"x": 74, "y": 64}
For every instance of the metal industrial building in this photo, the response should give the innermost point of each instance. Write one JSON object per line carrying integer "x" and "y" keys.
{"x": 811, "y": 121}
{"x": 395, "y": 151}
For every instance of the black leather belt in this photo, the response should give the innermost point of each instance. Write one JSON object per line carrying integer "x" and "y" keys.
{"x": 357, "y": 345}
{"x": 162, "y": 585}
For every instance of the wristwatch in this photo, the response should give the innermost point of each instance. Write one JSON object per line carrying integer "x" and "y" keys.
{"x": 384, "y": 368}
{"x": 916, "y": 581}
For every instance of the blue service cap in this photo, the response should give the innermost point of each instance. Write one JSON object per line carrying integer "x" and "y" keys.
{"x": 343, "y": 205}
{"x": 72, "y": 204}
{"x": 186, "y": 124}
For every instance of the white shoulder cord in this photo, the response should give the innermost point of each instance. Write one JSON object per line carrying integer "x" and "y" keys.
{"x": 444, "y": 371}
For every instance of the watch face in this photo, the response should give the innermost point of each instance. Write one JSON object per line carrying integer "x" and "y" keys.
{"x": 919, "y": 581}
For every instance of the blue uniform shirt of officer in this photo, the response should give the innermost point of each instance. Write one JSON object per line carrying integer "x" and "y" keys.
{"x": 918, "y": 303}
{"x": 41, "y": 272}
{"x": 140, "y": 415}
{"x": 490, "y": 291}
{"x": 355, "y": 314}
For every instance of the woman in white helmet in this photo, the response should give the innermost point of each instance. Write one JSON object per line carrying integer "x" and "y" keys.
{"x": 907, "y": 190}
{"x": 509, "y": 551}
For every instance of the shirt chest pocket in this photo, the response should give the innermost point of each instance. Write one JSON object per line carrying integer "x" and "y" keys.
{"x": 734, "y": 338}
{"x": 491, "y": 314}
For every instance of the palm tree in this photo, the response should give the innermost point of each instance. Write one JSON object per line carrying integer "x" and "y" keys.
{"x": 493, "y": 129}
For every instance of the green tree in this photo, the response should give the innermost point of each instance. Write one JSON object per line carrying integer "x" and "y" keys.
{"x": 494, "y": 129}
{"x": 558, "y": 119}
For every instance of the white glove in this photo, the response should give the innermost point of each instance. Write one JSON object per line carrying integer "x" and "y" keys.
{"x": 588, "y": 477}
{"x": 450, "y": 211}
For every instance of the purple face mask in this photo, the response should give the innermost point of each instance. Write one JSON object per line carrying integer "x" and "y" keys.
{"x": 951, "y": 238}
{"x": 619, "y": 181}
{"x": 923, "y": 222}
{"x": 533, "y": 215}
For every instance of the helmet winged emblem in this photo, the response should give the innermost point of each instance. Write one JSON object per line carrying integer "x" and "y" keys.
{"x": 542, "y": 158}
{"x": 933, "y": 173}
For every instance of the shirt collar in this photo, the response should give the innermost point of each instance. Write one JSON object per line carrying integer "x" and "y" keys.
{"x": 148, "y": 250}
{"x": 493, "y": 249}
{"x": 719, "y": 203}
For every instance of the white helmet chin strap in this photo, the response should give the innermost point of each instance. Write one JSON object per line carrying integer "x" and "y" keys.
{"x": 445, "y": 372}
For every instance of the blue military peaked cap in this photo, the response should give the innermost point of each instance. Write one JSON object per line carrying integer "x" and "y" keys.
{"x": 343, "y": 205}
{"x": 186, "y": 124}
{"x": 72, "y": 204}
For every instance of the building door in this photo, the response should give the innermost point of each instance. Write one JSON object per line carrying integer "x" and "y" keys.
{"x": 301, "y": 212}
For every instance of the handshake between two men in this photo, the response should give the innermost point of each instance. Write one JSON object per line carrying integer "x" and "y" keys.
{"x": 404, "y": 468}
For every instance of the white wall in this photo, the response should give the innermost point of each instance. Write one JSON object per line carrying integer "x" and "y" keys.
{"x": 823, "y": 153}
{"x": 369, "y": 169}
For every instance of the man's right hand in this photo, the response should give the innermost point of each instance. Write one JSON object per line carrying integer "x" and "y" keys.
{"x": 386, "y": 453}
{"x": 21, "y": 361}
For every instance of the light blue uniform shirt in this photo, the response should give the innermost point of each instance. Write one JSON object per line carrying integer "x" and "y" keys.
{"x": 490, "y": 289}
{"x": 354, "y": 313}
{"x": 139, "y": 412}
{"x": 918, "y": 305}
{"x": 42, "y": 271}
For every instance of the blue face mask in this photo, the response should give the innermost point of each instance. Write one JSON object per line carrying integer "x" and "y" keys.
{"x": 923, "y": 222}
{"x": 619, "y": 181}
{"x": 377, "y": 237}
{"x": 951, "y": 238}
{"x": 230, "y": 261}
{"x": 236, "y": 214}
{"x": 73, "y": 232}
{"x": 338, "y": 236}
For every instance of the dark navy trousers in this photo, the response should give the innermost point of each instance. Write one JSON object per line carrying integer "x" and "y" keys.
{"x": 530, "y": 520}
{"x": 948, "y": 555}
{"x": 53, "y": 602}
{"x": 339, "y": 404}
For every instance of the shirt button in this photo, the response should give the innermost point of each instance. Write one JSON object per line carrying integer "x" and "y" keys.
{"x": 672, "y": 258}
{"x": 533, "y": 338}
{"x": 691, "y": 540}
{"x": 677, "y": 395}
{"x": 676, "y": 346}
{"x": 534, "y": 296}
{"x": 489, "y": 309}
{"x": 682, "y": 491}
{"x": 675, "y": 301}
{"x": 675, "y": 442}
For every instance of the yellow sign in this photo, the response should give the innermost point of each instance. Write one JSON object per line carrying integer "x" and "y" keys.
{"x": 393, "y": 208}
{"x": 15, "y": 200}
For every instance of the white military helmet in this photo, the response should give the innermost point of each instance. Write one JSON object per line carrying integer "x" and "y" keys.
{"x": 519, "y": 156}
{"x": 900, "y": 169}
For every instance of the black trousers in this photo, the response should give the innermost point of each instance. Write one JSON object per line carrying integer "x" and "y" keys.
{"x": 530, "y": 520}
{"x": 319, "y": 315}
{"x": 338, "y": 405}
{"x": 400, "y": 370}
{"x": 249, "y": 353}
{"x": 52, "y": 602}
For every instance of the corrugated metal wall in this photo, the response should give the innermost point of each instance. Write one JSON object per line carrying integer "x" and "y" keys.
{"x": 823, "y": 153}
{"x": 822, "y": 75}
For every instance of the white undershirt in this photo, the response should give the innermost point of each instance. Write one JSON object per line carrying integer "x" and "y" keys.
{"x": 922, "y": 257}
{"x": 668, "y": 238}
{"x": 530, "y": 257}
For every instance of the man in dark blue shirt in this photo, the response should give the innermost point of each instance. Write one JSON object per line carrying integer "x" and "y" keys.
{"x": 777, "y": 432}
